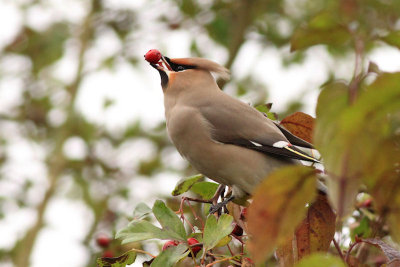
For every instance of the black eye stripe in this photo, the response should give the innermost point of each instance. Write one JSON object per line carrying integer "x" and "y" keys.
{"x": 176, "y": 67}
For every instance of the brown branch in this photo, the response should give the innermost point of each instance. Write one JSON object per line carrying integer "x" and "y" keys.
{"x": 349, "y": 251}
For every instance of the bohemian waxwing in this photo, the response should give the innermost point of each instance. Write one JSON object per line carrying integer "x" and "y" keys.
{"x": 223, "y": 138}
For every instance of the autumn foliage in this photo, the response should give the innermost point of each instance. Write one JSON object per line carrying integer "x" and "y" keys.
{"x": 356, "y": 132}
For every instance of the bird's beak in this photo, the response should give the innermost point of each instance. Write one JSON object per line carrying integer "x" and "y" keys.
{"x": 162, "y": 65}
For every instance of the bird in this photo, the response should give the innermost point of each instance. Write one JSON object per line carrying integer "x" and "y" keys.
{"x": 222, "y": 137}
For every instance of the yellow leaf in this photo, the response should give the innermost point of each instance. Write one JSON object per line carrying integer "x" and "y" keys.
{"x": 279, "y": 204}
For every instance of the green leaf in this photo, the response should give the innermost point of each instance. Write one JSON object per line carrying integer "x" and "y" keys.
{"x": 319, "y": 259}
{"x": 350, "y": 137}
{"x": 224, "y": 241}
{"x": 125, "y": 259}
{"x": 266, "y": 109}
{"x": 215, "y": 231}
{"x": 363, "y": 230}
{"x": 169, "y": 220}
{"x": 141, "y": 210}
{"x": 205, "y": 189}
{"x": 32, "y": 43}
{"x": 393, "y": 39}
{"x": 279, "y": 204}
{"x": 142, "y": 230}
{"x": 170, "y": 256}
{"x": 328, "y": 138}
{"x": 324, "y": 28}
{"x": 306, "y": 37}
{"x": 185, "y": 184}
{"x": 219, "y": 29}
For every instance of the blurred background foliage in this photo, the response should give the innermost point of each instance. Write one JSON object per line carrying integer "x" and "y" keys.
{"x": 96, "y": 165}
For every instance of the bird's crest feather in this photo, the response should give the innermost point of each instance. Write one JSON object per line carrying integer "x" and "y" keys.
{"x": 205, "y": 64}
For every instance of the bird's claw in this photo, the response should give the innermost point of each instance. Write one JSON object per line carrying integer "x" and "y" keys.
{"x": 220, "y": 205}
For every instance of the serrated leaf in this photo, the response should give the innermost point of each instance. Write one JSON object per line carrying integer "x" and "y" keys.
{"x": 319, "y": 259}
{"x": 215, "y": 230}
{"x": 143, "y": 230}
{"x": 170, "y": 256}
{"x": 205, "y": 189}
{"x": 300, "y": 124}
{"x": 185, "y": 184}
{"x": 279, "y": 204}
{"x": 125, "y": 259}
{"x": 169, "y": 221}
{"x": 141, "y": 210}
{"x": 316, "y": 231}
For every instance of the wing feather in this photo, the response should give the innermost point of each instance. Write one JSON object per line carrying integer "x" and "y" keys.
{"x": 234, "y": 122}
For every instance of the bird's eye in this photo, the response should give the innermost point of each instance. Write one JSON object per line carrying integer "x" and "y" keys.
{"x": 179, "y": 68}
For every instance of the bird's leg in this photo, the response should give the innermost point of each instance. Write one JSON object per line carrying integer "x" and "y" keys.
{"x": 220, "y": 205}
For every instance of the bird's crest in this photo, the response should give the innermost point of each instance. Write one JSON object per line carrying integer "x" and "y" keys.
{"x": 205, "y": 64}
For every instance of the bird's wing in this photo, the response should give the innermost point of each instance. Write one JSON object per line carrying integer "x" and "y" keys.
{"x": 234, "y": 122}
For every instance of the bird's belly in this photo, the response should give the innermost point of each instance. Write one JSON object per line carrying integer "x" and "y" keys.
{"x": 227, "y": 164}
{"x": 234, "y": 165}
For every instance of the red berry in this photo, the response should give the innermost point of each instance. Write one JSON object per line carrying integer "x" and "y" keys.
{"x": 243, "y": 214}
{"x": 237, "y": 230}
{"x": 108, "y": 254}
{"x": 170, "y": 243}
{"x": 153, "y": 56}
{"x": 103, "y": 240}
{"x": 366, "y": 203}
{"x": 191, "y": 241}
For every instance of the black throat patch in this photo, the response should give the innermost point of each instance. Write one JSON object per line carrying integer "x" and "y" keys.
{"x": 164, "y": 79}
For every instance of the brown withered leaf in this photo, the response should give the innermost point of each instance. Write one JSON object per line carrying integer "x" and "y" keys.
{"x": 316, "y": 231}
{"x": 279, "y": 204}
{"x": 300, "y": 124}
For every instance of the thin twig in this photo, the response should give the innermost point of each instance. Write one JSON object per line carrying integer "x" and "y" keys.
{"x": 218, "y": 261}
{"x": 338, "y": 249}
{"x": 230, "y": 250}
{"x": 349, "y": 250}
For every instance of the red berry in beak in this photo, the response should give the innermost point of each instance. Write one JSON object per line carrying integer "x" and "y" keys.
{"x": 153, "y": 56}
